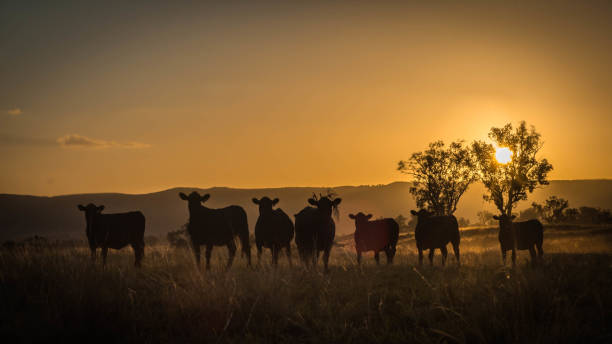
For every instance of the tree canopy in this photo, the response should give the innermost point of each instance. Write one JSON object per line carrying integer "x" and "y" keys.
{"x": 509, "y": 183}
{"x": 440, "y": 175}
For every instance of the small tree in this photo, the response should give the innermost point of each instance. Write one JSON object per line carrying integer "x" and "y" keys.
{"x": 178, "y": 238}
{"x": 403, "y": 223}
{"x": 553, "y": 210}
{"x": 440, "y": 176}
{"x": 485, "y": 217}
{"x": 509, "y": 183}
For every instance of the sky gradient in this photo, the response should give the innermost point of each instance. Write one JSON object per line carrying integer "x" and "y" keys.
{"x": 136, "y": 98}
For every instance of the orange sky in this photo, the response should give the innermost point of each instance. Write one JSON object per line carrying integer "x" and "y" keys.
{"x": 128, "y": 98}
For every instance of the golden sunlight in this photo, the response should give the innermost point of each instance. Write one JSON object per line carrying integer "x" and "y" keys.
{"x": 503, "y": 155}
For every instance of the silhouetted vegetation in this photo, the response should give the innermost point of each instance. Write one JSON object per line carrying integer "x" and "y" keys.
{"x": 510, "y": 183}
{"x": 178, "y": 238}
{"x": 440, "y": 176}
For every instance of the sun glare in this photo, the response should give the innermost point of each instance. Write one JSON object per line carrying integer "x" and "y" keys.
{"x": 503, "y": 155}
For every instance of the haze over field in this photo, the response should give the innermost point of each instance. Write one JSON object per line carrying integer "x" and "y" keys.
{"x": 119, "y": 97}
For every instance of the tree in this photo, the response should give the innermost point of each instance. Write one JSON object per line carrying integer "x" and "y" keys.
{"x": 402, "y": 221}
{"x": 178, "y": 238}
{"x": 509, "y": 183}
{"x": 485, "y": 217}
{"x": 553, "y": 210}
{"x": 440, "y": 176}
{"x": 529, "y": 214}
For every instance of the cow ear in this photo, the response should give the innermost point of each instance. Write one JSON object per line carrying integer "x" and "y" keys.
{"x": 81, "y": 208}
{"x": 496, "y": 217}
{"x": 100, "y": 208}
{"x": 414, "y": 213}
{"x": 313, "y": 201}
{"x": 337, "y": 201}
{"x": 274, "y": 201}
{"x": 352, "y": 216}
{"x": 513, "y": 217}
{"x": 183, "y": 196}
{"x": 204, "y": 198}
{"x": 369, "y": 216}
{"x": 255, "y": 200}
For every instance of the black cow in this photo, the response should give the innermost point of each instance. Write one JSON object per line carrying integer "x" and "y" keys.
{"x": 436, "y": 232}
{"x": 377, "y": 235}
{"x": 216, "y": 227}
{"x": 273, "y": 230}
{"x": 114, "y": 231}
{"x": 315, "y": 229}
{"x": 529, "y": 236}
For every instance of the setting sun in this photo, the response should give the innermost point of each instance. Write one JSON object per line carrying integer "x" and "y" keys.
{"x": 503, "y": 155}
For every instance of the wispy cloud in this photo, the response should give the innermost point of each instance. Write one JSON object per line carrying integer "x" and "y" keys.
{"x": 79, "y": 141}
{"x": 14, "y": 112}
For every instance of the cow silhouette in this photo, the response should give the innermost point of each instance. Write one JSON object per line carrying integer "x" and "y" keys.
{"x": 315, "y": 229}
{"x": 114, "y": 231}
{"x": 273, "y": 230}
{"x": 436, "y": 232}
{"x": 526, "y": 235}
{"x": 377, "y": 235}
{"x": 216, "y": 227}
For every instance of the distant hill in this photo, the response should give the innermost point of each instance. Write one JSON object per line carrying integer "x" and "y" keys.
{"x": 58, "y": 217}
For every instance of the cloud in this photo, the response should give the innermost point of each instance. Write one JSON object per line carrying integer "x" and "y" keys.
{"x": 79, "y": 141}
{"x": 14, "y": 112}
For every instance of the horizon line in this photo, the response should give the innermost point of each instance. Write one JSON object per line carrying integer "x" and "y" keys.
{"x": 251, "y": 188}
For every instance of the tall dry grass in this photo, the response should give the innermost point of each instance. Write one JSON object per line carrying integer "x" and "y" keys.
{"x": 59, "y": 295}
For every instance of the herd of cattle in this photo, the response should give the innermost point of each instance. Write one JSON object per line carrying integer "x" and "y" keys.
{"x": 314, "y": 231}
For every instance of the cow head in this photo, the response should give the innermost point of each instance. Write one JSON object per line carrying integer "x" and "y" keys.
{"x": 325, "y": 204}
{"x": 194, "y": 199}
{"x": 360, "y": 217}
{"x": 265, "y": 204}
{"x": 505, "y": 221}
{"x": 421, "y": 214}
{"x": 91, "y": 210}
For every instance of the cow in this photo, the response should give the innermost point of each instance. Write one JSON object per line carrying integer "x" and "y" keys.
{"x": 436, "y": 232}
{"x": 114, "y": 231}
{"x": 315, "y": 229}
{"x": 216, "y": 227}
{"x": 378, "y": 235}
{"x": 529, "y": 236}
{"x": 273, "y": 230}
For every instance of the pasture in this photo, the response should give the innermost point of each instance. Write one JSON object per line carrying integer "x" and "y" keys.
{"x": 57, "y": 294}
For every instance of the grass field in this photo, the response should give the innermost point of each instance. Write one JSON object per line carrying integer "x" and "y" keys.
{"x": 50, "y": 295}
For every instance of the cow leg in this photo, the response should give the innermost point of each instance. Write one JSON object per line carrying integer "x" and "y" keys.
{"x": 503, "y": 252}
{"x": 513, "y": 257}
{"x": 258, "y": 254}
{"x": 138, "y": 253}
{"x": 532, "y": 253}
{"x": 246, "y": 249}
{"x": 208, "y": 253}
{"x": 231, "y": 248}
{"x": 444, "y": 254}
{"x": 196, "y": 253}
{"x": 326, "y": 258}
{"x": 275, "y": 251}
{"x": 456, "y": 250}
{"x": 288, "y": 250}
{"x": 431, "y": 254}
{"x": 358, "y": 257}
{"x": 377, "y": 257}
{"x": 540, "y": 252}
{"x": 420, "y": 257}
{"x": 390, "y": 251}
{"x": 93, "y": 254}
{"x": 104, "y": 253}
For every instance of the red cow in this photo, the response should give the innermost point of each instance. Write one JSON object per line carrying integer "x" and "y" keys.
{"x": 378, "y": 235}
